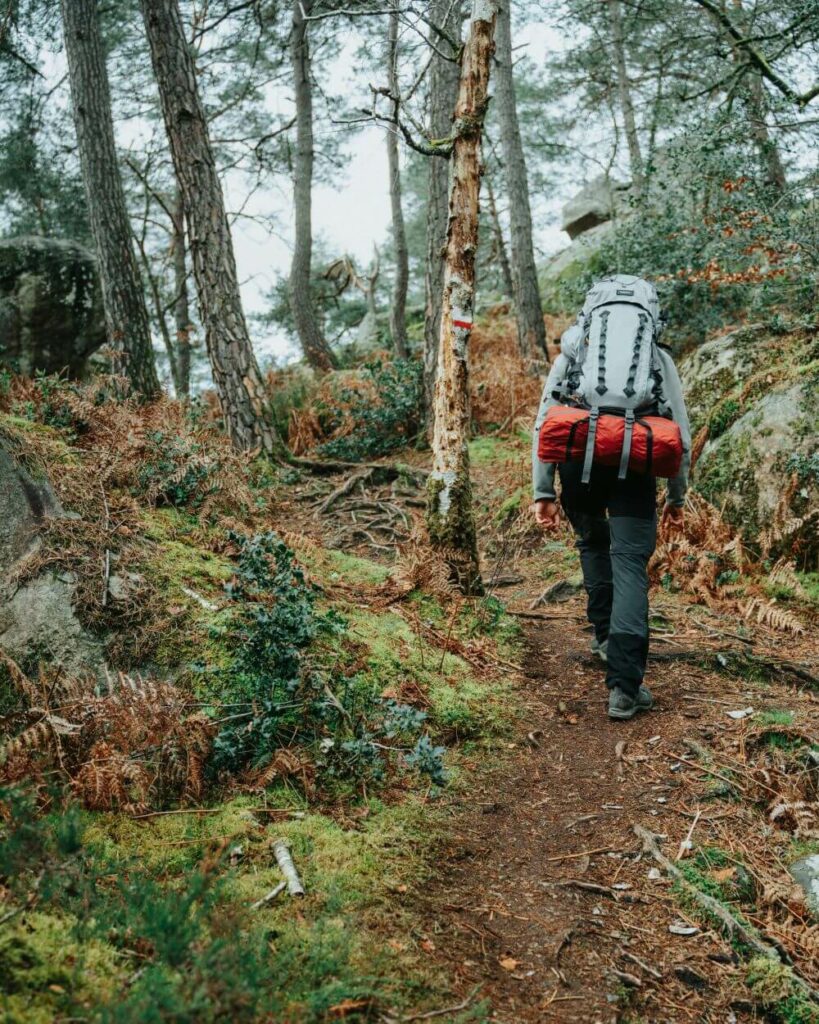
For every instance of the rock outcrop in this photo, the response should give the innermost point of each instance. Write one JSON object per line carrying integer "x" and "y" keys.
{"x": 595, "y": 204}
{"x": 37, "y": 620}
{"x": 51, "y": 315}
{"x": 751, "y": 391}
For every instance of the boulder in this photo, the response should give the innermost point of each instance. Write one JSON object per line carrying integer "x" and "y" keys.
{"x": 595, "y": 204}
{"x": 25, "y": 502}
{"x": 36, "y": 617}
{"x": 806, "y": 873}
{"x": 51, "y": 313}
{"x": 749, "y": 389}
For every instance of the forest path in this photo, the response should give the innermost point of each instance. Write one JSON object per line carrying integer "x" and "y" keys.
{"x": 543, "y": 895}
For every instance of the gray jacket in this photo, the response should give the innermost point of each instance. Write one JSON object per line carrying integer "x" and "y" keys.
{"x": 543, "y": 473}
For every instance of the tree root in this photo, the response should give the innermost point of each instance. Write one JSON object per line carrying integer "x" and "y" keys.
{"x": 380, "y": 471}
{"x": 731, "y": 927}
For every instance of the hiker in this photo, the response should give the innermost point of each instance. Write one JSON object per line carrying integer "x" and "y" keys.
{"x": 612, "y": 418}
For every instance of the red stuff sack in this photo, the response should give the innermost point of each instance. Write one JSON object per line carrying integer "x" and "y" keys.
{"x": 656, "y": 444}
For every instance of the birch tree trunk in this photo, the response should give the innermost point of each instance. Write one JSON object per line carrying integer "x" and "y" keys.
{"x": 398, "y": 307}
{"x": 526, "y": 292}
{"x": 181, "y": 307}
{"x": 450, "y": 517}
{"x": 236, "y": 373}
{"x": 443, "y": 95}
{"x": 624, "y": 93}
{"x": 313, "y": 343}
{"x": 126, "y": 315}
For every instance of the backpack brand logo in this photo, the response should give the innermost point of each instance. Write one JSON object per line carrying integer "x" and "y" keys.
{"x": 624, "y": 291}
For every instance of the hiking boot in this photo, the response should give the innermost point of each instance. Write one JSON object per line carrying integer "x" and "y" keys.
{"x": 645, "y": 702}
{"x": 600, "y": 649}
{"x": 622, "y": 706}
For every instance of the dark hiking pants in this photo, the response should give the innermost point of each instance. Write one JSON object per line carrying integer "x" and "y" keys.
{"x": 616, "y": 526}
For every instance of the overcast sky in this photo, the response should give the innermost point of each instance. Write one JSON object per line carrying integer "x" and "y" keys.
{"x": 355, "y": 213}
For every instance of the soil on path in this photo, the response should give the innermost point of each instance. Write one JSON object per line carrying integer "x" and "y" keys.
{"x": 545, "y": 904}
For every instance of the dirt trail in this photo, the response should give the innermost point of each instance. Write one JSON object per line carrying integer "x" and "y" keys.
{"x": 544, "y": 896}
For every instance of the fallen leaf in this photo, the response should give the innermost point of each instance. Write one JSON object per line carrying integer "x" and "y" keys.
{"x": 428, "y": 945}
{"x": 722, "y": 874}
{"x": 347, "y": 1006}
{"x": 508, "y": 964}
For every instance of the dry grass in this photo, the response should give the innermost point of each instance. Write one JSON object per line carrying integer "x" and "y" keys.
{"x": 504, "y": 391}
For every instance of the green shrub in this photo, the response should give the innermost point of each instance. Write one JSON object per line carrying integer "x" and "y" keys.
{"x": 389, "y": 423}
{"x": 281, "y": 693}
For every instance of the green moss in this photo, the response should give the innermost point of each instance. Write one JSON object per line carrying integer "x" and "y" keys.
{"x": 728, "y": 472}
{"x": 773, "y": 986}
{"x": 469, "y": 709}
{"x": 723, "y": 416}
{"x": 776, "y": 717}
{"x": 491, "y": 448}
{"x": 46, "y": 972}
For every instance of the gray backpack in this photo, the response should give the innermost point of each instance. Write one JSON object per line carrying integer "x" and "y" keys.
{"x": 613, "y": 362}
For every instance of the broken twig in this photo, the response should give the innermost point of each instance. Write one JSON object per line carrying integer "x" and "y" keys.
{"x": 281, "y": 851}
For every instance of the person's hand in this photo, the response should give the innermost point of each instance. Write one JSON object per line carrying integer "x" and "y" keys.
{"x": 547, "y": 514}
{"x": 673, "y": 518}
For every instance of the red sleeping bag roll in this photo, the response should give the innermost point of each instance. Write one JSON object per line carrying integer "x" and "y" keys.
{"x": 656, "y": 444}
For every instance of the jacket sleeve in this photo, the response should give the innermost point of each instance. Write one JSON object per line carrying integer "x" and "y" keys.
{"x": 543, "y": 473}
{"x": 672, "y": 390}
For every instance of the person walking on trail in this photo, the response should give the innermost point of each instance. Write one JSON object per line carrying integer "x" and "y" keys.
{"x": 611, "y": 419}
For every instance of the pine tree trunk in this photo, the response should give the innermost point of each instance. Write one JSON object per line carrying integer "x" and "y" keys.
{"x": 126, "y": 315}
{"x": 771, "y": 162}
{"x": 450, "y": 517}
{"x": 443, "y": 95}
{"x": 756, "y": 107}
{"x": 398, "y": 308}
{"x": 181, "y": 308}
{"x": 500, "y": 242}
{"x": 236, "y": 374}
{"x": 526, "y": 293}
{"x": 313, "y": 343}
{"x": 624, "y": 92}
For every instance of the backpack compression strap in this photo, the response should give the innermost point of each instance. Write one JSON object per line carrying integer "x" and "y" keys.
{"x": 627, "y": 436}
{"x": 594, "y": 415}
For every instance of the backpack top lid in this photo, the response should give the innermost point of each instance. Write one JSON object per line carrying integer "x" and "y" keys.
{"x": 623, "y": 288}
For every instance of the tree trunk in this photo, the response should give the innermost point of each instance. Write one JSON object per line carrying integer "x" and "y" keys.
{"x": 756, "y": 103}
{"x": 443, "y": 95}
{"x": 236, "y": 373}
{"x": 526, "y": 293}
{"x": 398, "y": 308}
{"x": 756, "y": 107}
{"x": 500, "y": 243}
{"x": 450, "y": 518}
{"x": 624, "y": 92}
{"x": 126, "y": 315}
{"x": 314, "y": 345}
{"x": 181, "y": 309}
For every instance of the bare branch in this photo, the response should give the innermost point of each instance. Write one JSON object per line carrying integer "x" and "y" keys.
{"x": 757, "y": 58}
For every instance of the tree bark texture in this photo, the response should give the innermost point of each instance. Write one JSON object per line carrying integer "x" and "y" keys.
{"x": 398, "y": 307}
{"x": 239, "y": 383}
{"x": 624, "y": 94}
{"x": 499, "y": 248}
{"x": 126, "y": 314}
{"x": 181, "y": 306}
{"x": 526, "y": 293}
{"x": 450, "y": 518}
{"x": 443, "y": 95}
{"x": 313, "y": 343}
{"x": 755, "y": 102}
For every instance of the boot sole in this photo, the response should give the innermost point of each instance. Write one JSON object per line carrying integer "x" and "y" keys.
{"x": 623, "y": 716}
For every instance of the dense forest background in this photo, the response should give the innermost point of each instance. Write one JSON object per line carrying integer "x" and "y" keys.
{"x": 298, "y": 720}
